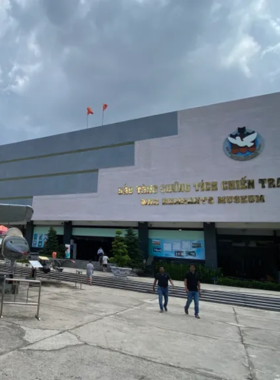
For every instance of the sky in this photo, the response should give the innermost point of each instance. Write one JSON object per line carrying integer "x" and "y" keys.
{"x": 141, "y": 57}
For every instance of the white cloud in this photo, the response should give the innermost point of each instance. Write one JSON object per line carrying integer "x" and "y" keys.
{"x": 6, "y": 21}
{"x": 271, "y": 49}
{"x": 275, "y": 25}
{"x": 28, "y": 63}
{"x": 242, "y": 47}
{"x": 20, "y": 76}
{"x": 25, "y": 3}
{"x": 216, "y": 7}
{"x": 32, "y": 44}
{"x": 139, "y": 56}
{"x": 19, "y": 84}
{"x": 240, "y": 54}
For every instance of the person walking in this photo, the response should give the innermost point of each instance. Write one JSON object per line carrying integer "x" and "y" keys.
{"x": 90, "y": 269}
{"x": 101, "y": 262}
{"x": 100, "y": 254}
{"x": 105, "y": 260}
{"x": 192, "y": 287}
{"x": 162, "y": 278}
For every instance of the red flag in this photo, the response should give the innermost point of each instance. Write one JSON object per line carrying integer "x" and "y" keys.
{"x": 105, "y": 106}
{"x": 89, "y": 111}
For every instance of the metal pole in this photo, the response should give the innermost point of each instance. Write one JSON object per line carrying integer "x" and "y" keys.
{"x": 27, "y": 293}
{"x": 3, "y": 295}
{"x": 14, "y": 286}
{"x": 39, "y": 301}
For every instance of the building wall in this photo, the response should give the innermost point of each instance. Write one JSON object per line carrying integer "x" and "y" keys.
{"x": 39, "y": 230}
{"x": 100, "y": 232}
{"x": 186, "y": 147}
{"x": 176, "y": 235}
{"x": 69, "y": 163}
{"x": 194, "y": 154}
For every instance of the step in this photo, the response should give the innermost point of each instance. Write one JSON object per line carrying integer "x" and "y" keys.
{"x": 230, "y": 298}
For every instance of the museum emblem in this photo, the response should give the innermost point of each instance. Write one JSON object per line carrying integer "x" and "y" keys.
{"x": 243, "y": 144}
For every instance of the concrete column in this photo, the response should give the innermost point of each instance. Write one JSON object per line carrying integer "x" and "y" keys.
{"x": 143, "y": 230}
{"x": 67, "y": 233}
{"x": 29, "y": 232}
{"x": 277, "y": 243}
{"x": 210, "y": 240}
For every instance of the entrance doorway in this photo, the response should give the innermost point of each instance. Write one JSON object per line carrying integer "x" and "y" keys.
{"x": 87, "y": 246}
{"x": 249, "y": 257}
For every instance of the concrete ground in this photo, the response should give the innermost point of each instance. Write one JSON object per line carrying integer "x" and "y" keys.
{"x": 101, "y": 333}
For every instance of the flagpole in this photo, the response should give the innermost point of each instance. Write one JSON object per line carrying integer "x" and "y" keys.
{"x": 89, "y": 112}
{"x": 104, "y": 107}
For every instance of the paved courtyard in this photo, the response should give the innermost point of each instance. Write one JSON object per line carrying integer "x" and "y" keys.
{"x": 101, "y": 333}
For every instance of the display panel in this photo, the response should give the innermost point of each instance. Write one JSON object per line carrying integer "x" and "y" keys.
{"x": 177, "y": 249}
{"x": 40, "y": 235}
{"x": 39, "y": 240}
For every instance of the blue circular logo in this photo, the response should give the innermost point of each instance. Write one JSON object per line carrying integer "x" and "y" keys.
{"x": 243, "y": 144}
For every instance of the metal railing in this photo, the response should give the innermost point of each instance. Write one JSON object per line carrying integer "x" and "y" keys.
{"x": 16, "y": 283}
{"x": 79, "y": 278}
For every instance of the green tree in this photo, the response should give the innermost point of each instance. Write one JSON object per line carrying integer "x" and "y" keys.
{"x": 120, "y": 255}
{"x": 51, "y": 245}
{"x": 132, "y": 243}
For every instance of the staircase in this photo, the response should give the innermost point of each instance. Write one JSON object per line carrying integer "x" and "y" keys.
{"x": 82, "y": 264}
{"x": 79, "y": 264}
{"x": 216, "y": 296}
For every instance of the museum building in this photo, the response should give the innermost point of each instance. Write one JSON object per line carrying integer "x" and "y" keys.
{"x": 199, "y": 184}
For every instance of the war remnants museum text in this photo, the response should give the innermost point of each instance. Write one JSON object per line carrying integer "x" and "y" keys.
{"x": 202, "y": 186}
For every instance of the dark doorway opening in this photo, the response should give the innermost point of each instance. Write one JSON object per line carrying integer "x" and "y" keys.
{"x": 87, "y": 246}
{"x": 250, "y": 257}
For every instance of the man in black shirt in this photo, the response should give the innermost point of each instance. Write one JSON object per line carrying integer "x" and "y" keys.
{"x": 162, "y": 279}
{"x": 192, "y": 287}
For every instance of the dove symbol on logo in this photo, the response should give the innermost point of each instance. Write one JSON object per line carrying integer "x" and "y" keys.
{"x": 243, "y": 144}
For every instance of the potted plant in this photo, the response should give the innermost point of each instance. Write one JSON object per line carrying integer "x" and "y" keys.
{"x": 120, "y": 256}
{"x": 134, "y": 252}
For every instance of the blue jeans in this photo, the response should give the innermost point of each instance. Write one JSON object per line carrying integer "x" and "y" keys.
{"x": 162, "y": 292}
{"x": 193, "y": 295}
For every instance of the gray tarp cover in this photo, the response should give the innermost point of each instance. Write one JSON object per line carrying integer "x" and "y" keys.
{"x": 15, "y": 213}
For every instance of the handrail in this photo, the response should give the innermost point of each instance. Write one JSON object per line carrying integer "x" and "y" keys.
{"x": 17, "y": 282}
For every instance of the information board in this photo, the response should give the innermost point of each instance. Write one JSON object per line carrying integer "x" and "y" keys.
{"x": 35, "y": 264}
{"x": 39, "y": 240}
{"x": 177, "y": 249}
